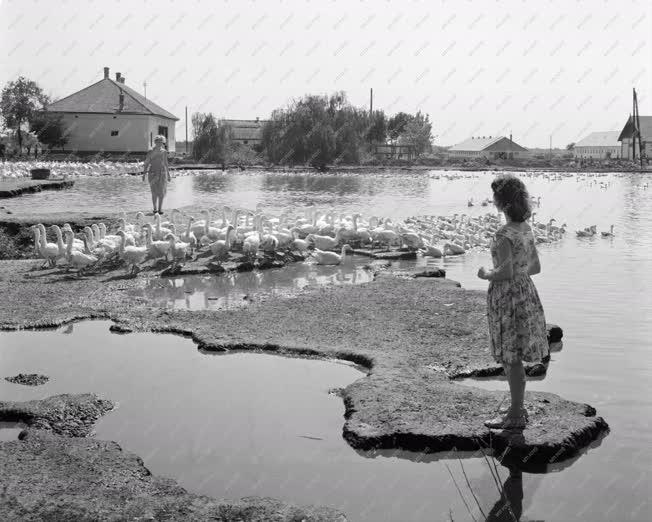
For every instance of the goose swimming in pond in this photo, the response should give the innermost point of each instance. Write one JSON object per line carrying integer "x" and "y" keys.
{"x": 608, "y": 234}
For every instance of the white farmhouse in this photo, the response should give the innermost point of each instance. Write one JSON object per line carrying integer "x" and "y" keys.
{"x": 108, "y": 116}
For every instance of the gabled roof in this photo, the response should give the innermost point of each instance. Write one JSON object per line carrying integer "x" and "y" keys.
{"x": 600, "y": 139}
{"x": 481, "y": 143}
{"x": 646, "y": 128}
{"x": 245, "y": 129}
{"x": 102, "y": 97}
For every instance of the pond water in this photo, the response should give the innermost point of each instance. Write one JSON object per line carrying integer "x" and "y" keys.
{"x": 599, "y": 290}
{"x": 239, "y": 289}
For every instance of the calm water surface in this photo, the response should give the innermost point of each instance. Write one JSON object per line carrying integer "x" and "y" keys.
{"x": 599, "y": 291}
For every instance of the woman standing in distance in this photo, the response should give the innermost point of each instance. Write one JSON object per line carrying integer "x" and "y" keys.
{"x": 159, "y": 175}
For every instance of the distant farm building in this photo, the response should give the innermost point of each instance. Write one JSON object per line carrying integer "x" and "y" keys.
{"x": 245, "y": 132}
{"x": 598, "y": 145}
{"x": 490, "y": 147}
{"x": 627, "y": 134}
{"x": 392, "y": 151}
{"x": 108, "y": 116}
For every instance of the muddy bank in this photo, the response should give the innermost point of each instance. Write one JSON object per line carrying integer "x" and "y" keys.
{"x": 28, "y": 379}
{"x": 415, "y": 336}
{"x": 50, "y": 477}
{"x": 13, "y": 188}
{"x": 69, "y": 415}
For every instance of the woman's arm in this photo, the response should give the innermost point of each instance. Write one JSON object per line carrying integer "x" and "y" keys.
{"x": 146, "y": 164}
{"x": 165, "y": 162}
{"x": 534, "y": 265}
{"x": 503, "y": 271}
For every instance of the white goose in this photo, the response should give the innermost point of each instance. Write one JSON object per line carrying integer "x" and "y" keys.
{"x": 132, "y": 255}
{"x": 221, "y": 247}
{"x": 49, "y": 251}
{"x": 177, "y": 250}
{"x": 330, "y": 258}
{"x": 608, "y": 234}
{"x": 75, "y": 258}
{"x": 156, "y": 249}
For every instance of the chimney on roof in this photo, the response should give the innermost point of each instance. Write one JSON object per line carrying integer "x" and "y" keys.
{"x": 106, "y": 73}
{"x": 510, "y": 136}
{"x": 117, "y": 77}
{"x": 121, "y": 101}
{"x": 122, "y": 79}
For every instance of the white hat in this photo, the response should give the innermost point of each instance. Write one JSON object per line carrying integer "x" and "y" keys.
{"x": 160, "y": 137}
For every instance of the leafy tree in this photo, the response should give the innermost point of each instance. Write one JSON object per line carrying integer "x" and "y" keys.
{"x": 212, "y": 142}
{"x": 377, "y": 131}
{"x": 20, "y": 101}
{"x": 49, "y": 129}
{"x": 396, "y": 125}
{"x": 570, "y": 146}
{"x": 418, "y": 133}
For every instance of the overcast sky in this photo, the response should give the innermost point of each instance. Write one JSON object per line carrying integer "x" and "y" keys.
{"x": 534, "y": 68}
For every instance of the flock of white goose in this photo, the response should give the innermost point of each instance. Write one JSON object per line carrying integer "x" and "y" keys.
{"x": 21, "y": 169}
{"x": 325, "y": 235}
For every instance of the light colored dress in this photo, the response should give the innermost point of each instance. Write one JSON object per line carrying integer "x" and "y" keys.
{"x": 157, "y": 160}
{"x": 517, "y": 324}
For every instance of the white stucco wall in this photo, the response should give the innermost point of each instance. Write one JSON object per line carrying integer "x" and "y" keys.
{"x": 626, "y": 148}
{"x": 92, "y": 132}
{"x": 596, "y": 152}
{"x": 152, "y": 130}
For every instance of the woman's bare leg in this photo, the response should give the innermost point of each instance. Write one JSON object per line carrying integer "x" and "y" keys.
{"x": 160, "y": 204}
{"x": 516, "y": 378}
{"x": 154, "y": 198}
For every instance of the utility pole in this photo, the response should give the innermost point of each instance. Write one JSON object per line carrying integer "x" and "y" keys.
{"x": 371, "y": 102}
{"x": 637, "y": 129}
{"x": 551, "y": 147}
{"x": 186, "y": 129}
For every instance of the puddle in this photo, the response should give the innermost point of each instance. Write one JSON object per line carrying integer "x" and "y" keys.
{"x": 239, "y": 289}
{"x": 241, "y": 424}
{"x": 10, "y": 430}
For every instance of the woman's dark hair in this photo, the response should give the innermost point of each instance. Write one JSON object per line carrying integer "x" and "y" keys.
{"x": 512, "y": 197}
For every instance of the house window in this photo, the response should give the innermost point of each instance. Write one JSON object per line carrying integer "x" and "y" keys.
{"x": 245, "y": 142}
{"x": 114, "y": 133}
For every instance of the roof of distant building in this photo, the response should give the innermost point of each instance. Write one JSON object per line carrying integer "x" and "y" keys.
{"x": 477, "y": 144}
{"x": 646, "y": 128}
{"x": 600, "y": 139}
{"x": 103, "y": 97}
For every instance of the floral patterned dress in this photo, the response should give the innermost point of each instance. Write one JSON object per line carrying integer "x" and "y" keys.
{"x": 517, "y": 324}
{"x": 157, "y": 161}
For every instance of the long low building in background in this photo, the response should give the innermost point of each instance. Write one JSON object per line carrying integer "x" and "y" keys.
{"x": 598, "y": 145}
{"x": 489, "y": 147}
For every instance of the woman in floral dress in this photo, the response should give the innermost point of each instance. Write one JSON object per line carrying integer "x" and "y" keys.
{"x": 517, "y": 324}
{"x": 159, "y": 175}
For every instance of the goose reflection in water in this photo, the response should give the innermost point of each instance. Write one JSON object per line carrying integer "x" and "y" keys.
{"x": 238, "y": 289}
